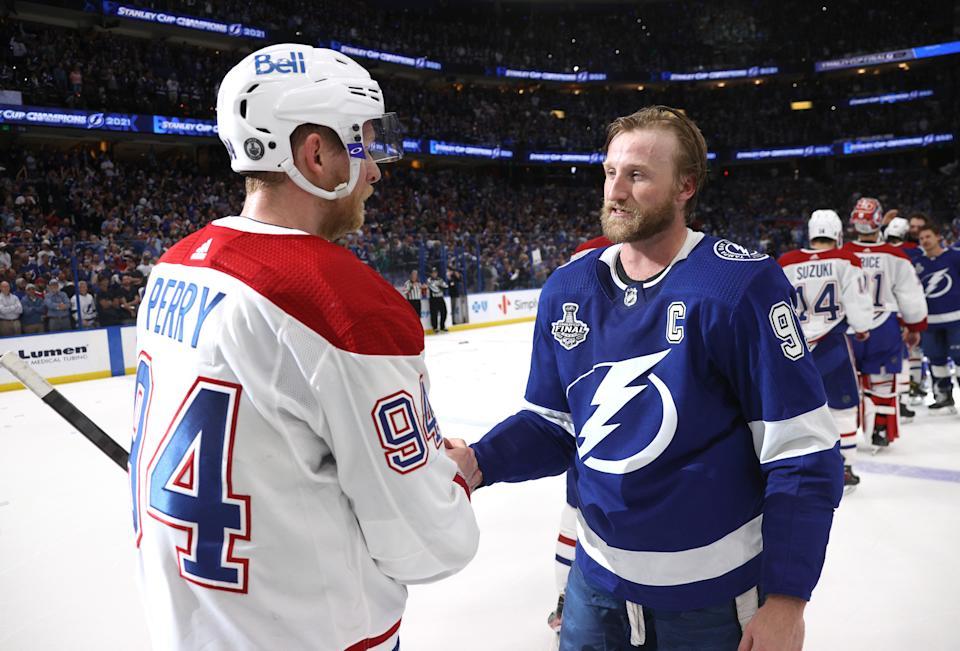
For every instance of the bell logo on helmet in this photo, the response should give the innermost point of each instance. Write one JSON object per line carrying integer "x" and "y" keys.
{"x": 265, "y": 64}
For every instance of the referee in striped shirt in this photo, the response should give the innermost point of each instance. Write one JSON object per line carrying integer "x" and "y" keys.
{"x": 412, "y": 290}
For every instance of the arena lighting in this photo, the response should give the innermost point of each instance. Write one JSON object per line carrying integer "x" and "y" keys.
{"x": 559, "y": 114}
{"x": 805, "y": 105}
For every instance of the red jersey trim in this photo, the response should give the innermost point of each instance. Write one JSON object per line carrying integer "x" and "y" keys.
{"x": 318, "y": 283}
{"x": 799, "y": 256}
{"x": 876, "y": 247}
{"x": 371, "y": 642}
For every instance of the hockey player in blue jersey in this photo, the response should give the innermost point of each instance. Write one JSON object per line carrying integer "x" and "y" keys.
{"x": 670, "y": 375}
{"x": 939, "y": 271}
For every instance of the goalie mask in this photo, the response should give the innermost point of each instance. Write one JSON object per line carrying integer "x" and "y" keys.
{"x": 274, "y": 90}
{"x": 867, "y": 216}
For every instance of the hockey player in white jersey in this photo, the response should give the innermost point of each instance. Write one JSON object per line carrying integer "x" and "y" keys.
{"x": 832, "y": 295}
{"x": 287, "y": 473}
{"x": 910, "y": 379}
{"x": 894, "y": 289}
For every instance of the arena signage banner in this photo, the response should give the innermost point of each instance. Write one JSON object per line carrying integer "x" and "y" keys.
{"x": 492, "y": 307}
{"x": 784, "y": 152}
{"x": 56, "y": 117}
{"x": 891, "y": 56}
{"x": 588, "y": 158}
{"x": 440, "y": 148}
{"x": 716, "y": 75}
{"x": 890, "y": 98}
{"x": 886, "y": 144}
{"x": 236, "y": 30}
{"x": 174, "y": 126}
{"x": 581, "y": 76}
{"x": 422, "y": 63}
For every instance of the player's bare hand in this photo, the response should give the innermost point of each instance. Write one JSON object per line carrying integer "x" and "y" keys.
{"x": 862, "y": 336}
{"x": 466, "y": 460}
{"x": 889, "y": 216}
{"x": 777, "y": 626}
{"x": 911, "y": 338}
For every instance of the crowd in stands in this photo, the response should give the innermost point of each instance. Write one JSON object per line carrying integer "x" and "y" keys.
{"x": 614, "y": 37}
{"x": 102, "y": 70}
{"x": 76, "y": 217}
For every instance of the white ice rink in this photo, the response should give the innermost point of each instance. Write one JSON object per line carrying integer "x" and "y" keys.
{"x": 67, "y": 560}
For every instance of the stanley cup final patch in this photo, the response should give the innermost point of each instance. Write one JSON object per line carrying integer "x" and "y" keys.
{"x": 569, "y": 331}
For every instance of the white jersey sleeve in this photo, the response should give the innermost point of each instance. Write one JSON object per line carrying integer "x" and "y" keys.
{"x": 856, "y": 301}
{"x": 907, "y": 291}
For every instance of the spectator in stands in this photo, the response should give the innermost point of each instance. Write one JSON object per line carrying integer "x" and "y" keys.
{"x": 10, "y": 311}
{"x": 34, "y": 311}
{"x": 108, "y": 304}
{"x": 146, "y": 264}
{"x": 58, "y": 307}
{"x": 87, "y": 316}
{"x": 129, "y": 296}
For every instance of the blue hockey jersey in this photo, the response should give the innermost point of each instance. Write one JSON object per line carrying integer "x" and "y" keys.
{"x": 691, "y": 414}
{"x": 940, "y": 277}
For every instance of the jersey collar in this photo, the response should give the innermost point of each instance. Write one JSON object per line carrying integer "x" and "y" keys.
{"x": 609, "y": 258}
{"x": 250, "y": 225}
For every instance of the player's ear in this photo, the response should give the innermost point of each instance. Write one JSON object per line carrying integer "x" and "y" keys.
{"x": 686, "y": 188}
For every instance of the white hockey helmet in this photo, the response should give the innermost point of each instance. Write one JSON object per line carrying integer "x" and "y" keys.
{"x": 898, "y": 228}
{"x": 826, "y": 223}
{"x": 274, "y": 90}
{"x": 867, "y": 215}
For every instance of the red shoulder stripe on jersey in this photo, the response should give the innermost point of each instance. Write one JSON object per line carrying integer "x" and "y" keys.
{"x": 567, "y": 541}
{"x": 595, "y": 243}
{"x": 320, "y": 284}
{"x": 371, "y": 642}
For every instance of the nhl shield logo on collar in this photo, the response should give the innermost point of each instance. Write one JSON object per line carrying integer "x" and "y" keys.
{"x": 630, "y": 297}
{"x": 570, "y": 331}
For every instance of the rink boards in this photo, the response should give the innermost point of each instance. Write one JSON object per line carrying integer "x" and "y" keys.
{"x": 104, "y": 352}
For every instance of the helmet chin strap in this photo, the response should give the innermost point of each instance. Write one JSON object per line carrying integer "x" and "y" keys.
{"x": 339, "y": 192}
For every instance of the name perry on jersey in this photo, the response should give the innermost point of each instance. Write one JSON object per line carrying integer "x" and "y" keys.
{"x": 175, "y": 305}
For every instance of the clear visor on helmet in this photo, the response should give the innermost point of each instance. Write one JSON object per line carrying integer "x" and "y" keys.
{"x": 383, "y": 139}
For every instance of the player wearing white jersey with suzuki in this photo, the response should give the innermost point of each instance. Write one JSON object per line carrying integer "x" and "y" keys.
{"x": 894, "y": 288}
{"x": 831, "y": 295}
{"x": 288, "y": 475}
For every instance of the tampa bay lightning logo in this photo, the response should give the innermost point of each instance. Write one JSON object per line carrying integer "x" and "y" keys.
{"x": 732, "y": 251}
{"x": 937, "y": 284}
{"x": 235, "y": 29}
{"x": 95, "y": 121}
{"x": 613, "y": 387}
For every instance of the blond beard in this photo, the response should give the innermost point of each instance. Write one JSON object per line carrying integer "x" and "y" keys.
{"x": 346, "y": 217}
{"x": 640, "y": 225}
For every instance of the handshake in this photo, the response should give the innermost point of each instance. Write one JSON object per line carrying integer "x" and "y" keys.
{"x": 466, "y": 460}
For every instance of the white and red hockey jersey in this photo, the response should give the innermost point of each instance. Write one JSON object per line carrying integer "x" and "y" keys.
{"x": 892, "y": 283}
{"x": 830, "y": 287}
{"x": 288, "y": 475}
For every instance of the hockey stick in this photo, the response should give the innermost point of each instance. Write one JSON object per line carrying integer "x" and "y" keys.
{"x": 45, "y": 391}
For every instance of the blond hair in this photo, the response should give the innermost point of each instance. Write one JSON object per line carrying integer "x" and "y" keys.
{"x": 691, "y": 159}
